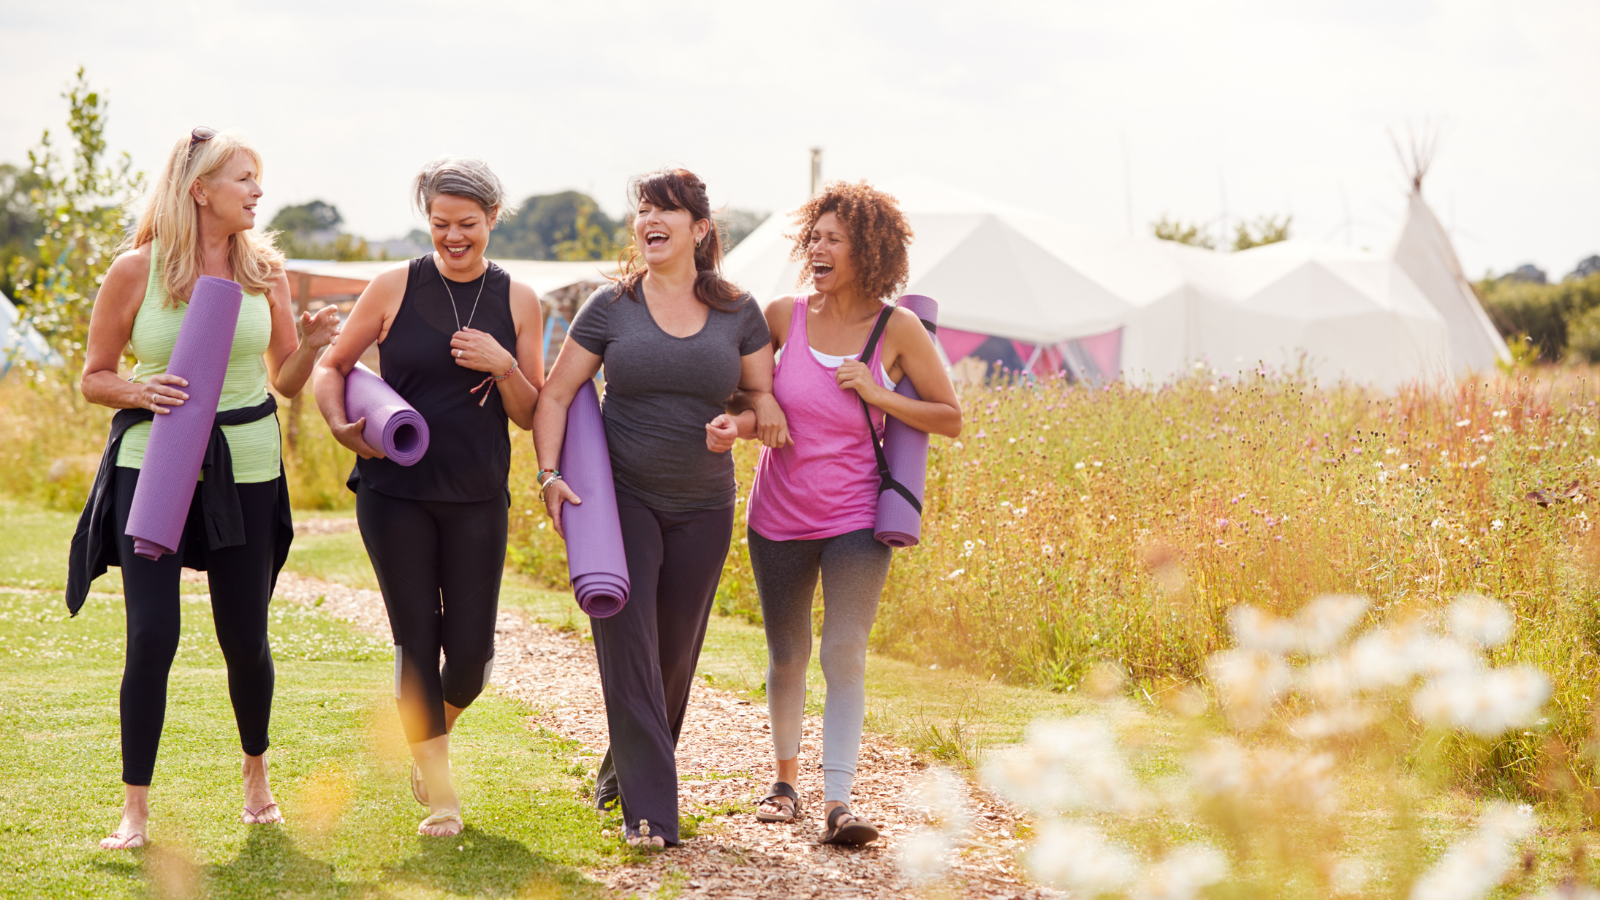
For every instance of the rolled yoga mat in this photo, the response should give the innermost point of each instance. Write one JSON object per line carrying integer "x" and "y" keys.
{"x": 393, "y": 425}
{"x": 171, "y": 470}
{"x": 899, "y": 524}
{"x": 595, "y": 559}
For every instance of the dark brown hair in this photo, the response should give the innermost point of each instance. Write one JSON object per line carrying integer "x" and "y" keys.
{"x": 879, "y": 235}
{"x": 680, "y": 189}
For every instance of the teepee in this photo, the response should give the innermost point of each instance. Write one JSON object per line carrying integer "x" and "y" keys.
{"x": 1424, "y": 252}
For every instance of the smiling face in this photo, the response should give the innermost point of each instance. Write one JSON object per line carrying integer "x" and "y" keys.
{"x": 460, "y": 233}
{"x": 829, "y": 252}
{"x": 665, "y": 235}
{"x": 228, "y": 198}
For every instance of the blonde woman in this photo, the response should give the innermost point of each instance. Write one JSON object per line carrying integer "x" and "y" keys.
{"x": 197, "y": 220}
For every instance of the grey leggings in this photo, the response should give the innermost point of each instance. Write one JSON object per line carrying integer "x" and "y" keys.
{"x": 853, "y": 566}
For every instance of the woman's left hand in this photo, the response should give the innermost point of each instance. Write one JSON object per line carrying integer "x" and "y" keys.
{"x": 480, "y": 352}
{"x": 321, "y": 328}
{"x": 854, "y": 375}
{"x": 721, "y": 433}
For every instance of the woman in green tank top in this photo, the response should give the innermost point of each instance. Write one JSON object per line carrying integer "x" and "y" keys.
{"x": 198, "y": 221}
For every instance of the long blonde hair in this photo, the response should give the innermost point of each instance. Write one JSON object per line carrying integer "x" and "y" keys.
{"x": 171, "y": 214}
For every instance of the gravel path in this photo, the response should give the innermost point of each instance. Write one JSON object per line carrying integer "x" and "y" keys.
{"x": 723, "y": 764}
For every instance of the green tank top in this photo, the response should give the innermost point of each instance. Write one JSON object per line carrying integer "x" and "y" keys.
{"x": 253, "y": 445}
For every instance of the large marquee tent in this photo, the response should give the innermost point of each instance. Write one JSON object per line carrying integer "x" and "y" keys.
{"x": 1035, "y": 295}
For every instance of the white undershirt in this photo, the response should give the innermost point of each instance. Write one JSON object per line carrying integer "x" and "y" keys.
{"x": 829, "y": 361}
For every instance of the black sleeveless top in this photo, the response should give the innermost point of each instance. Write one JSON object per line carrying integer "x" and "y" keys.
{"x": 469, "y": 449}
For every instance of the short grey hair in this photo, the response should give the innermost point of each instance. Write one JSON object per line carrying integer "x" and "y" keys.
{"x": 461, "y": 177}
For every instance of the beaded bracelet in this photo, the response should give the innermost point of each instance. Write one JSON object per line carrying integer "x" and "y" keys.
{"x": 493, "y": 379}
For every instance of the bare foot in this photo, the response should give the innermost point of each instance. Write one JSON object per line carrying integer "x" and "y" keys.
{"x": 259, "y": 807}
{"x": 442, "y": 822}
{"x": 130, "y": 831}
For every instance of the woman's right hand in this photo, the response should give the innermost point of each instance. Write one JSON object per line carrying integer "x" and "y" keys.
{"x": 772, "y": 426}
{"x": 555, "y": 493}
{"x": 349, "y": 434}
{"x": 162, "y": 391}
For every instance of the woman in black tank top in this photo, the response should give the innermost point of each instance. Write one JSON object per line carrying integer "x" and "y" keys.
{"x": 460, "y": 341}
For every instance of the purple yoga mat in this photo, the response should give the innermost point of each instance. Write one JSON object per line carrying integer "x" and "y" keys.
{"x": 178, "y": 440}
{"x": 899, "y": 524}
{"x": 393, "y": 425}
{"x": 595, "y": 560}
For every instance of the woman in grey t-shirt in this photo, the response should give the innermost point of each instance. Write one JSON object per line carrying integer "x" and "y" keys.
{"x": 676, "y": 340}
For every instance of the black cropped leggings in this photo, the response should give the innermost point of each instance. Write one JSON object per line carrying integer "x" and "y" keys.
{"x": 439, "y": 566}
{"x": 241, "y": 585}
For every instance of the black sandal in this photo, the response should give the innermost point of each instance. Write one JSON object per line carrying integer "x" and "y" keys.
{"x": 779, "y": 789}
{"x": 855, "y": 832}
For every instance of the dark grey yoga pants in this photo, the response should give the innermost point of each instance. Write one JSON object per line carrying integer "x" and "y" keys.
{"x": 439, "y": 566}
{"x": 647, "y": 653}
{"x": 853, "y": 566}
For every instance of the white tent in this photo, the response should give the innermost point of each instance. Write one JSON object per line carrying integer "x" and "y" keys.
{"x": 19, "y": 340}
{"x": 1145, "y": 309}
{"x": 993, "y": 269}
{"x": 1424, "y": 252}
{"x": 1336, "y": 313}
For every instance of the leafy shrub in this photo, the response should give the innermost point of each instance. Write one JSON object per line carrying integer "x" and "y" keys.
{"x": 1545, "y": 313}
{"x": 1583, "y": 336}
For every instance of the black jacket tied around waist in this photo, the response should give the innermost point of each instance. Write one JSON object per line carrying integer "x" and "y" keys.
{"x": 94, "y": 543}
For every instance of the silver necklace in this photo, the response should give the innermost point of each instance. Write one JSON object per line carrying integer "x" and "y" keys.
{"x": 452, "y": 295}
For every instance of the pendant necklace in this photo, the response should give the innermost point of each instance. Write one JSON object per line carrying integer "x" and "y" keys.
{"x": 451, "y": 294}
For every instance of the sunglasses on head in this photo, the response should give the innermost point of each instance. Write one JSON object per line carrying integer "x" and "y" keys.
{"x": 199, "y": 136}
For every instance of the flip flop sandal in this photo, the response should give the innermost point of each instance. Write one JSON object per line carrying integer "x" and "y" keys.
{"x": 120, "y": 842}
{"x": 853, "y": 833}
{"x": 254, "y": 816}
{"x": 779, "y": 789}
{"x": 419, "y": 788}
{"x": 440, "y": 818}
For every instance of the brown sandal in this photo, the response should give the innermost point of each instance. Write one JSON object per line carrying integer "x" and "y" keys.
{"x": 778, "y": 791}
{"x": 854, "y": 832}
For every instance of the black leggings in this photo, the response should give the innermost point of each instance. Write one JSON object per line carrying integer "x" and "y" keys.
{"x": 647, "y": 653}
{"x": 241, "y": 585}
{"x": 439, "y": 566}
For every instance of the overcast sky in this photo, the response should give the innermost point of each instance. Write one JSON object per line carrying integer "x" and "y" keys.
{"x": 1060, "y": 107}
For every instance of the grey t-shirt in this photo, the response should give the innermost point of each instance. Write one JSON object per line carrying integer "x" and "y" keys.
{"x": 662, "y": 390}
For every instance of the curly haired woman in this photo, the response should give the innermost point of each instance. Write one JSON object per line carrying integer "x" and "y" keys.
{"x": 813, "y": 501}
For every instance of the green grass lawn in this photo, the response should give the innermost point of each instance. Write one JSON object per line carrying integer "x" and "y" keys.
{"x": 338, "y": 764}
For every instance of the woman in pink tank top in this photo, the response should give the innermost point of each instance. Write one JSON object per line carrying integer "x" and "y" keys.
{"x": 814, "y": 500}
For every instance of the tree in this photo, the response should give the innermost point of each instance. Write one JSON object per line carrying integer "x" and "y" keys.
{"x": 19, "y": 223}
{"x": 81, "y": 201}
{"x": 738, "y": 223}
{"x": 1183, "y": 233}
{"x": 1266, "y": 230}
{"x": 310, "y": 231}
{"x": 307, "y": 218}
{"x": 568, "y": 225}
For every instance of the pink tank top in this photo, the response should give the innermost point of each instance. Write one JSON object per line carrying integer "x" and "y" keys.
{"x": 826, "y": 483}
